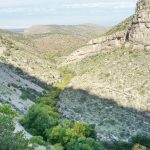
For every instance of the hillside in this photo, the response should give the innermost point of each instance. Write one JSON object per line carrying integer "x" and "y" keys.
{"x": 69, "y": 37}
{"x": 25, "y": 67}
{"x": 26, "y": 72}
{"x": 23, "y": 54}
{"x": 80, "y": 87}
{"x": 112, "y": 80}
{"x": 111, "y": 39}
{"x": 123, "y": 26}
{"x": 111, "y": 87}
{"x": 39, "y": 54}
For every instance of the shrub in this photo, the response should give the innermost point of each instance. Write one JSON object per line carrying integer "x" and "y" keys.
{"x": 80, "y": 130}
{"x": 136, "y": 142}
{"x": 9, "y": 139}
{"x": 58, "y": 147}
{"x": 6, "y": 109}
{"x": 142, "y": 140}
{"x": 56, "y": 135}
{"x": 139, "y": 147}
{"x": 84, "y": 144}
{"x": 29, "y": 94}
{"x": 37, "y": 140}
{"x": 39, "y": 118}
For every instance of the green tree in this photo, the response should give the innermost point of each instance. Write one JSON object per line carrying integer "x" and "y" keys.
{"x": 57, "y": 147}
{"x": 56, "y": 134}
{"x": 84, "y": 144}
{"x": 7, "y": 110}
{"x": 39, "y": 118}
{"x": 80, "y": 130}
{"x": 37, "y": 140}
{"x": 8, "y": 139}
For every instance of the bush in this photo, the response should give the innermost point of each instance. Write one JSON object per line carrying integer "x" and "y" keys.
{"x": 46, "y": 100}
{"x": 29, "y": 94}
{"x": 142, "y": 140}
{"x": 139, "y": 147}
{"x": 9, "y": 139}
{"x": 39, "y": 118}
{"x": 66, "y": 131}
{"x": 84, "y": 144}
{"x": 80, "y": 130}
{"x": 56, "y": 135}
{"x": 136, "y": 142}
{"x": 7, "y": 110}
{"x": 37, "y": 140}
{"x": 58, "y": 147}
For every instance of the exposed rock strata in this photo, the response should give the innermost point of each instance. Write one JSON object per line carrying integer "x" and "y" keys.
{"x": 139, "y": 33}
{"x": 102, "y": 44}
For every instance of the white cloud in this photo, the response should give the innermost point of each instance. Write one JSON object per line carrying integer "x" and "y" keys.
{"x": 112, "y": 5}
{"x": 24, "y": 13}
{"x": 26, "y": 10}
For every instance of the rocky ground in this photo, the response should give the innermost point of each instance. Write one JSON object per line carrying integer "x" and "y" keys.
{"x": 114, "y": 93}
{"x": 14, "y": 89}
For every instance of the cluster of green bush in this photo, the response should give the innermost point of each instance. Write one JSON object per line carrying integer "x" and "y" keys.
{"x": 44, "y": 120}
{"x": 8, "y": 139}
{"x": 29, "y": 93}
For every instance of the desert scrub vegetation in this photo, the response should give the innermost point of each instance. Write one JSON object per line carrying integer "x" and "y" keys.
{"x": 138, "y": 142}
{"x": 28, "y": 93}
{"x": 3, "y": 59}
{"x": 121, "y": 70}
{"x": 9, "y": 139}
{"x": 43, "y": 119}
{"x": 123, "y": 26}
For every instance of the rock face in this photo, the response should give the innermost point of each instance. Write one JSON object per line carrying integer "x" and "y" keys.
{"x": 102, "y": 44}
{"x": 139, "y": 33}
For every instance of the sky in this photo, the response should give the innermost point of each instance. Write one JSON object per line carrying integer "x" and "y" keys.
{"x": 25, "y": 13}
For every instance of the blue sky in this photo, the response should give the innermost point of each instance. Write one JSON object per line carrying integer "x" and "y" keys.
{"x": 24, "y": 13}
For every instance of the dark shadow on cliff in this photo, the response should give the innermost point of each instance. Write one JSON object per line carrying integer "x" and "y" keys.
{"x": 26, "y": 75}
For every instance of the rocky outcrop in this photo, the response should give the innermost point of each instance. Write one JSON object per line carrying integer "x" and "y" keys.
{"x": 139, "y": 32}
{"x": 114, "y": 40}
{"x": 102, "y": 44}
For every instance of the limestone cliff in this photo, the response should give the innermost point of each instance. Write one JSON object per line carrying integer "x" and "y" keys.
{"x": 139, "y": 33}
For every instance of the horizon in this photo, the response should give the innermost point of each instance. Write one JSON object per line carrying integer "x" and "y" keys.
{"x": 20, "y": 14}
